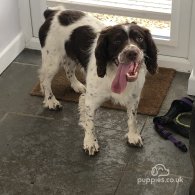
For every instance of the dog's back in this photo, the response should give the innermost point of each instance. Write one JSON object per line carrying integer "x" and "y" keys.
{"x": 67, "y": 38}
{"x": 60, "y": 24}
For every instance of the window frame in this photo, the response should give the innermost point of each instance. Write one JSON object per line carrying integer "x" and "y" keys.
{"x": 172, "y": 53}
{"x": 109, "y": 9}
{"x": 166, "y": 46}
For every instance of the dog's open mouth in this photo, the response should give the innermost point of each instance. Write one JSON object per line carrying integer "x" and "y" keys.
{"x": 125, "y": 73}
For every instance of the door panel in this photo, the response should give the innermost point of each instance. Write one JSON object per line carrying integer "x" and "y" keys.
{"x": 37, "y": 8}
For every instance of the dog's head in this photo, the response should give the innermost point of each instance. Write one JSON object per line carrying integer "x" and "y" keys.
{"x": 127, "y": 45}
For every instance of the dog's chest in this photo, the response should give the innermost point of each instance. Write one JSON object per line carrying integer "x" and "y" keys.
{"x": 127, "y": 96}
{"x": 102, "y": 87}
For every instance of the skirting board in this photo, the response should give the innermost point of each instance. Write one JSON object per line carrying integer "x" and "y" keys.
{"x": 179, "y": 64}
{"x": 11, "y": 51}
{"x": 191, "y": 84}
{"x": 33, "y": 44}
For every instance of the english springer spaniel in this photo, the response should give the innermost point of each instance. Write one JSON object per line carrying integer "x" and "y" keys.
{"x": 114, "y": 59}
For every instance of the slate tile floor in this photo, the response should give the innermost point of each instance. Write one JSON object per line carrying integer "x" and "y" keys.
{"x": 40, "y": 150}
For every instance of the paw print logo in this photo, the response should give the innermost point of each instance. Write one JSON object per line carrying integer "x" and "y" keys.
{"x": 159, "y": 170}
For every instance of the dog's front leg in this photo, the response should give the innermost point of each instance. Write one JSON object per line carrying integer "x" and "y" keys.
{"x": 88, "y": 106}
{"x": 133, "y": 135}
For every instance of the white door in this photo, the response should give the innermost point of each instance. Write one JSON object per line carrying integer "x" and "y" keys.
{"x": 173, "y": 46}
{"x": 37, "y": 9}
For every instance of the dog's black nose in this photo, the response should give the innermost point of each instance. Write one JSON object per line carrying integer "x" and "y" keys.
{"x": 132, "y": 54}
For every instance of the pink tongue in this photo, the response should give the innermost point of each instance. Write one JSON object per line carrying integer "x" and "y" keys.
{"x": 120, "y": 82}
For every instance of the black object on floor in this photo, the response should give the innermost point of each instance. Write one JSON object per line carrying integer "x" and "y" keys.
{"x": 169, "y": 121}
{"x": 192, "y": 149}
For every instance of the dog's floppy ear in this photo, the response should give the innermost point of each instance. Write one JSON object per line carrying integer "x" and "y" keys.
{"x": 101, "y": 54}
{"x": 150, "y": 53}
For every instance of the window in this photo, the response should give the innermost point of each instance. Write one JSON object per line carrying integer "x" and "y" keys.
{"x": 168, "y": 20}
{"x": 154, "y": 14}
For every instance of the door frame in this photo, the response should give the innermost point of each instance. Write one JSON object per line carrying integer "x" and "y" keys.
{"x": 26, "y": 25}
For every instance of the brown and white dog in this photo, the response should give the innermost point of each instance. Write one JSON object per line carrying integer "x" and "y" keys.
{"x": 114, "y": 58}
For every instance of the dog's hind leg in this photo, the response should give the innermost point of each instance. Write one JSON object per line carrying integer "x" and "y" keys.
{"x": 70, "y": 67}
{"x": 49, "y": 68}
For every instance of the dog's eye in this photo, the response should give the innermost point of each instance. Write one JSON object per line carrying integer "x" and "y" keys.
{"x": 139, "y": 39}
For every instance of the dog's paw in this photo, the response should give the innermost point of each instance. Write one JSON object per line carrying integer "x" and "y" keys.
{"x": 134, "y": 139}
{"x": 90, "y": 145}
{"x": 52, "y": 104}
{"x": 78, "y": 87}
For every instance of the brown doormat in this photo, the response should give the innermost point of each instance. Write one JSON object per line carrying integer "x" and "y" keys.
{"x": 154, "y": 91}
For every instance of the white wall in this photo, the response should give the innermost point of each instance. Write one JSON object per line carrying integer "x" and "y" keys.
{"x": 11, "y": 39}
{"x": 9, "y": 20}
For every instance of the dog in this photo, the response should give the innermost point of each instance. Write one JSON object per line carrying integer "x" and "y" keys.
{"x": 114, "y": 59}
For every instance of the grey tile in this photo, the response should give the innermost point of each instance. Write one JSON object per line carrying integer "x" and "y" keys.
{"x": 156, "y": 150}
{"x": 113, "y": 149}
{"x": 183, "y": 187}
{"x": 110, "y": 118}
{"x": 177, "y": 90}
{"x": 2, "y": 113}
{"x": 81, "y": 178}
{"x": 15, "y": 84}
{"x": 48, "y": 153}
{"x": 26, "y": 142}
{"x": 140, "y": 182}
{"x": 58, "y": 141}
{"x": 15, "y": 126}
{"x": 106, "y": 118}
{"x": 69, "y": 113}
{"x": 115, "y": 119}
{"x": 30, "y": 57}
{"x": 14, "y": 187}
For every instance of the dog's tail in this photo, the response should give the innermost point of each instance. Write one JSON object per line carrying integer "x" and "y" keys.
{"x": 52, "y": 10}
